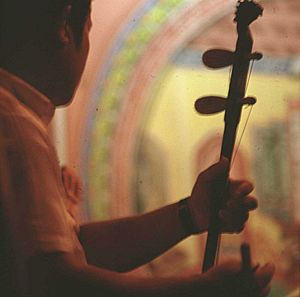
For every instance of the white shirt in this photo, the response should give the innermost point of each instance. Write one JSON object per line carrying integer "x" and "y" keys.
{"x": 32, "y": 197}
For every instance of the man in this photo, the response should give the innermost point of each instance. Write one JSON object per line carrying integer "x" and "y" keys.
{"x": 44, "y": 46}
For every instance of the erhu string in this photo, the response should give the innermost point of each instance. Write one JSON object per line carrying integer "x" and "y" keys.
{"x": 247, "y": 119}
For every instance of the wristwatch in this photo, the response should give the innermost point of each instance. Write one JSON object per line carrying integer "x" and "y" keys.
{"x": 186, "y": 218}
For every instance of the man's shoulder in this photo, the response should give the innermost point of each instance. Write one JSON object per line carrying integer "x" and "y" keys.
{"x": 6, "y": 99}
{"x": 16, "y": 116}
{"x": 10, "y": 106}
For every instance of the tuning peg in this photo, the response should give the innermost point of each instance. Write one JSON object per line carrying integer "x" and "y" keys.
{"x": 215, "y": 104}
{"x": 255, "y": 56}
{"x": 210, "y": 104}
{"x": 218, "y": 58}
{"x": 249, "y": 101}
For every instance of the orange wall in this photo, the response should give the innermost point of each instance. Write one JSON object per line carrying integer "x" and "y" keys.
{"x": 107, "y": 17}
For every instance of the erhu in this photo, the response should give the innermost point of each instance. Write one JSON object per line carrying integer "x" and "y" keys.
{"x": 247, "y": 12}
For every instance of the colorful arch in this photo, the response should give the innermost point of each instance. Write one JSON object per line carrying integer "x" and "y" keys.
{"x": 140, "y": 55}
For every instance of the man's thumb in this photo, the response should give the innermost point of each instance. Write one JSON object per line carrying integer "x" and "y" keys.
{"x": 216, "y": 171}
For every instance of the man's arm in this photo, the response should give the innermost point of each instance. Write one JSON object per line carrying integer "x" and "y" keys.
{"x": 121, "y": 245}
{"x": 65, "y": 276}
{"x": 124, "y": 244}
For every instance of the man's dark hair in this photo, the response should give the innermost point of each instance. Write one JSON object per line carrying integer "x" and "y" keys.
{"x": 23, "y": 21}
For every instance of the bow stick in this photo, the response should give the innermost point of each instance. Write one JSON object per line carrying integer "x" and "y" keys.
{"x": 247, "y": 11}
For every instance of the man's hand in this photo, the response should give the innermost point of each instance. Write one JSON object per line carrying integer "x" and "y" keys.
{"x": 230, "y": 281}
{"x": 238, "y": 201}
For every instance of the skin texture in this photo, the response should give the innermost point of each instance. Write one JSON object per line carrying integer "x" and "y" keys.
{"x": 55, "y": 68}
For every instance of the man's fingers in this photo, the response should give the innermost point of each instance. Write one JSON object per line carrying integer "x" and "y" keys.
{"x": 233, "y": 221}
{"x": 250, "y": 203}
{"x": 265, "y": 291}
{"x": 245, "y": 203}
{"x": 240, "y": 188}
{"x": 264, "y": 275}
{"x": 261, "y": 280}
{"x": 236, "y": 213}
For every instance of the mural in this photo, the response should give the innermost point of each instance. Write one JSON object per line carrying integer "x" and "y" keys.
{"x": 149, "y": 186}
{"x": 147, "y": 141}
{"x": 125, "y": 86}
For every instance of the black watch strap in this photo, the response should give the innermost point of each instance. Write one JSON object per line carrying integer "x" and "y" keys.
{"x": 185, "y": 217}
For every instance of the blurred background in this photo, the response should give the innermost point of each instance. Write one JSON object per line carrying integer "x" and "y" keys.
{"x": 135, "y": 139}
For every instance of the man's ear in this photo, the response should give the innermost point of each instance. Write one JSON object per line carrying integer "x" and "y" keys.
{"x": 65, "y": 33}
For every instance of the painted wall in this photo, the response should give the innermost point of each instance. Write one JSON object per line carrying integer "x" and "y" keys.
{"x": 265, "y": 152}
{"x": 107, "y": 17}
{"x": 166, "y": 121}
{"x": 173, "y": 121}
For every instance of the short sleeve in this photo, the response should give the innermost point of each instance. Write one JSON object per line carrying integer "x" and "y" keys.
{"x": 33, "y": 196}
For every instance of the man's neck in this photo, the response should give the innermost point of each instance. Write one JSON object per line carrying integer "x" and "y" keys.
{"x": 38, "y": 72}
